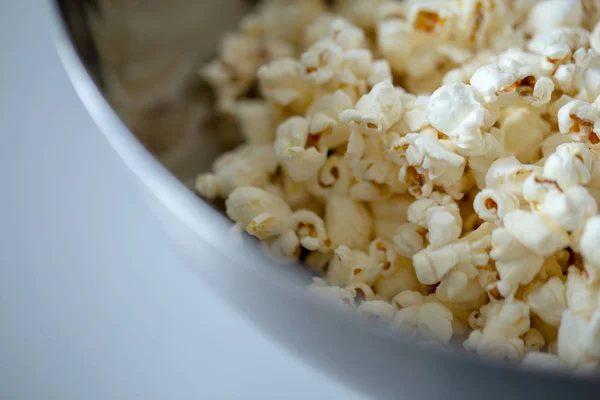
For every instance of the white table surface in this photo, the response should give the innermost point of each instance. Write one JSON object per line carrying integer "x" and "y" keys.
{"x": 79, "y": 259}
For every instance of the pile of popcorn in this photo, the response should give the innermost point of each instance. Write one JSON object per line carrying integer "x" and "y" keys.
{"x": 436, "y": 162}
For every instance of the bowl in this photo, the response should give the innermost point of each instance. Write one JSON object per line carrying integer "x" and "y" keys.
{"x": 366, "y": 356}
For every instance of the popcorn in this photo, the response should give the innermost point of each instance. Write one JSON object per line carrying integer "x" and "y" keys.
{"x": 536, "y": 233}
{"x": 557, "y": 45}
{"x": 311, "y": 231}
{"x": 589, "y": 247}
{"x": 441, "y": 218}
{"x": 507, "y": 174}
{"x": 293, "y": 149}
{"x": 248, "y": 165}
{"x": 525, "y": 130}
{"x": 443, "y": 166}
{"x": 454, "y": 110}
{"x": 567, "y": 208}
{"x": 432, "y": 264}
{"x": 283, "y": 86}
{"x": 492, "y": 205}
{"x": 324, "y": 126}
{"x": 515, "y": 262}
{"x": 548, "y": 300}
{"x": 410, "y": 239}
{"x": 402, "y": 279}
{"x": 580, "y": 119}
{"x": 582, "y": 298}
{"x": 377, "y": 111}
{"x": 570, "y": 164}
{"x": 543, "y": 361}
{"x": 259, "y": 212}
{"x": 376, "y": 310}
{"x": 534, "y": 340}
{"x": 285, "y": 248}
{"x": 348, "y": 222}
{"x": 389, "y": 215}
{"x": 256, "y": 121}
{"x": 333, "y": 294}
{"x": 507, "y": 80}
{"x": 503, "y": 323}
{"x": 430, "y": 320}
{"x": 548, "y": 15}
{"x": 436, "y": 161}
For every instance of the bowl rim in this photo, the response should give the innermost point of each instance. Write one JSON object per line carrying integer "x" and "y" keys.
{"x": 197, "y": 215}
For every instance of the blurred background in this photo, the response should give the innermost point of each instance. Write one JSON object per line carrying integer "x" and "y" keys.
{"x": 89, "y": 306}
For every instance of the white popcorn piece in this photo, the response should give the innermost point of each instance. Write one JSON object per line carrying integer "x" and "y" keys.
{"x": 569, "y": 165}
{"x": 361, "y": 291}
{"x": 577, "y": 345}
{"x": 459, "y": 290}
{"x": 440, "y": 216}
{"x": 431, "y": 320}
{"x": 580, "y": 119}
{"x": 283, "y": 86}
{"x": 507, "y": 80}
{"x": 248, "y": 165}
{"x": 334, "y": 178}
{"x": 376, "y": 111}
{"x": 376, "y": 310}
{"x": 495, "y": 347}
{"x": 361, "y": 12}
{"x": 333, "y": 294}
{"x": 590, "y": 249}
{"x": 390, "y": 214}
{"x": 430, "y": 17}
{"x": 507, "y": 319}
{"x": 318, "y": 29}
{"x": 409, "y": 239}
{"x": 285, "y": 248}
{"x": 454, "y": 110}
{"x": 324, "y": 127}
{"x": 548, "y": 300}
{"x": 536, "y": 233}
{"x": 534, "y": 340}
{"x": 311, "y": 231}
{"x": 552, "y": 14}
{"x": 322, "y": 62}
{"x": 543, "y": 361}
{"x": 293, "y": 150}
{"x": 346, "y": 264}
{"x": 256, "y": 121}
{"x": 558, "y": 44}
{"x": 346, "y": 34}
{"x": 515, "y": 263}
{"x": 432, "y": 264}
{"x": 582, "y": 297}
{"x": 595, "y": 38}
{"x": 408, "y": 298}
{"x": 524, "y": 132}
{"x": 429, "y": 154}
{"x": 381, "y": 71}
{"x": 567, "y": 208}
{"x": 492, "y": 205}
{"x": 286, "y": 19}
{"x": 382, "y": 252}
{"x": 402, "y": 279}
{"x": 508, "y": 175}
{"x": 416, "y": 180}
{"x": 261, "y": 213}
{"x": 348, "y": 222}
